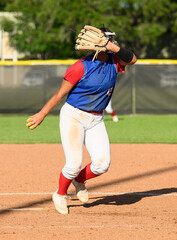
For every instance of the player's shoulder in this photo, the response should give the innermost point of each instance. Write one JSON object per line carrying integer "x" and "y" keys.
{"x": 75, "y": 72}
{"x": 77, "y": 65}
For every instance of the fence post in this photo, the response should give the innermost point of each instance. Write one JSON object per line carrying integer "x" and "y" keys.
{"x": 1, "y": 44}
{"x": 133, "y": 91}
{"x": 45, "y": 70}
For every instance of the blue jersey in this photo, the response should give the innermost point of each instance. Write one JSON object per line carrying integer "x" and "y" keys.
{"x": 94, "y": 90}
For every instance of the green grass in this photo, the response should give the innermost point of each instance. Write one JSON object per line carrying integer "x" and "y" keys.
{"x": 129, "y": 129}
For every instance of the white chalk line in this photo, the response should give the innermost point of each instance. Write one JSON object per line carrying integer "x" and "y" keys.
{"x": 65, "y": 227}
{"x": 25, "y": 209}
{"x": 95, "y": 193}
{"x": 72, "y": 227}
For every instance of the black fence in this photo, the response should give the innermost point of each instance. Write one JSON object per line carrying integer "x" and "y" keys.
{"x": 146, "y": 87}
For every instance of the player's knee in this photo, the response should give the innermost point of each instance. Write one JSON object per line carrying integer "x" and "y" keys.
{"x": 101, "y": 166}
{"x": 71, "y": 171}
{"x": 104, "y": 167}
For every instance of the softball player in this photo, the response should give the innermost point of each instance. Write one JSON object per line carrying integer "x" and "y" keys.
{"x": 110, "y": 111}
{"x": 89, "y": 86}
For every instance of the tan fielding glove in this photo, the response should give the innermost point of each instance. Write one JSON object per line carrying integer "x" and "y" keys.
{"x": 91, "y": 38}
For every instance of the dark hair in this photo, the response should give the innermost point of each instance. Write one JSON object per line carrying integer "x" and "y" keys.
{"x": 107, "y": 30}
{"x": 104, "y": 29}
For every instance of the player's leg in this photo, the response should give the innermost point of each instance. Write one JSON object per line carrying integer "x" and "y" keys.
{"x": 110, "y": 111}
{"x": 72, "y": 136}
{"x": 97, "y": 144}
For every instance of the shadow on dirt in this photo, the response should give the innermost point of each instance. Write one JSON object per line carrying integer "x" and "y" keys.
{"x": 134, "y": 177}
{"x": 123, "y": 199}
{"x": 128, "y": 198}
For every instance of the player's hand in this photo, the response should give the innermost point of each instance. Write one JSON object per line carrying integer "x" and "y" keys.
{"x": 35, "y": 120}
{"x": 112, "y": 47}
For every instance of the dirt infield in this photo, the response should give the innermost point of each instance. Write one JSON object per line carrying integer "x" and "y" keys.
{"x": 136, "y": 199}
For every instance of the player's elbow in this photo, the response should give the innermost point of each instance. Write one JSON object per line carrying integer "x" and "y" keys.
{"x": 134, "y": 59}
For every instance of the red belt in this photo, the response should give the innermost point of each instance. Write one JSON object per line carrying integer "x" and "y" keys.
{"x": 92, "y": 112}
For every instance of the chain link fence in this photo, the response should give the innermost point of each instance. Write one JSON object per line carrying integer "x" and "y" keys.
{"x": 149, "y": 86}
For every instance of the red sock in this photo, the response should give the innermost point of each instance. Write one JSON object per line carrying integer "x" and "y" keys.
{"x": 63, "y": 184}
{"x": 85, "y": 174}
{"x": 113, "y": 113}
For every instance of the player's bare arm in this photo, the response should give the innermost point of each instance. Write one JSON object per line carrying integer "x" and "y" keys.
{"x": 122, "y": 53}
{"x": 36, "y": 119}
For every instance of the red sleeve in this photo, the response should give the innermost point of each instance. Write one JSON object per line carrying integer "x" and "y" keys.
{"x": 74, "y": 73}
{"x": 120, "y": 68}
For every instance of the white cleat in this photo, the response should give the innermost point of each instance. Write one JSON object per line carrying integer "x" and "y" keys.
{"x": 81, "y": 191}
{"x": 60, "y": 203}
{"x": 115, "y": 118}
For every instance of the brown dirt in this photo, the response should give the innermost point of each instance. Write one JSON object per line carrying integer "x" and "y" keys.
{"x": 135, "y": 199}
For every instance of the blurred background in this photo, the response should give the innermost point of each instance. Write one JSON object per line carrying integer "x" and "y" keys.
{"x": 37, "y": 41}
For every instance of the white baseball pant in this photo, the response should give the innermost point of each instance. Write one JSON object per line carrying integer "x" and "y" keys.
{"x": 109, "y": 109}
{"x": 77, "y": 128}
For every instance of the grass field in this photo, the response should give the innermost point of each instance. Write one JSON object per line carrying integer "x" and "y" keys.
{"x": 129, "y": 129}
